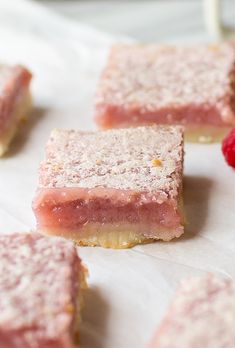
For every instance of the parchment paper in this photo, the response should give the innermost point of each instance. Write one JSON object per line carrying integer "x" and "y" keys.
{"x": 129, "y": 290}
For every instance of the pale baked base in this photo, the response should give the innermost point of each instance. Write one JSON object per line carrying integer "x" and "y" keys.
{"x": 206, "y": 134}
{"x": 119, "y": 236}
{"x": 80, "y": 303}
{"x": 20, "y": 114}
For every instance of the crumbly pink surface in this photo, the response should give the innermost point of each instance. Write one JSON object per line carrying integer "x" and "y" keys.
{"x": 14, "y": 80}
{"x": 117, "y": 159}
{"x": 202, "y": 315}
{"x": 109, "y": 177}
{"x": 167, "y": 84}
{"x": 38, "y": 288}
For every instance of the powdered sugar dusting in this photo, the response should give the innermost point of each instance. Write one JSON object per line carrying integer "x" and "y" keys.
{"x": 38, "y": 285}
{"x": 118, "y": 159}
{"x": 202, "y": 315}
{"x": 153, "y": 77}
{"x": 6, "y": 73}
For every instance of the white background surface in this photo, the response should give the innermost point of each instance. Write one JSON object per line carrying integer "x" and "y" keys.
{"x": 129, "y": 289}
{"x": 145, "y": 20}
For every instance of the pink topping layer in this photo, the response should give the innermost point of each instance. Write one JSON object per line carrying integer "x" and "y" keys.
{"x": 73, "y": 208}
{"x": 167, "y": 84}
{"x": 202, "y": 315}
{"x": 38, "y": 290}
{"x": 14, "y": 80}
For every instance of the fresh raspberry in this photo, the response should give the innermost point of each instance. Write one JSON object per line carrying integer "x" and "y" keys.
{"x": 228, "y": 148}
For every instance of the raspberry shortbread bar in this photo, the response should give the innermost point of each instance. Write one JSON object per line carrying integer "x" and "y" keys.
{"x": 113, "y": 188}
{"x": 188, "y": 85}
{"x": 15, "y": 101}
{"x": 202, "y": 315}
{"x": 40, "y": 291}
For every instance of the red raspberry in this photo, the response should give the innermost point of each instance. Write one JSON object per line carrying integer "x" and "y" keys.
{"x": 228, "y": 148}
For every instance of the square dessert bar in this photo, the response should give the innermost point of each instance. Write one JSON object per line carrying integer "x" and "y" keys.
{"x": 15, "y": 101}
{"x": 201, "y": 316}
{"x": 113, "y": 188}
{"x": 189, "y": 85}
{"x": 40, "y": 291}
